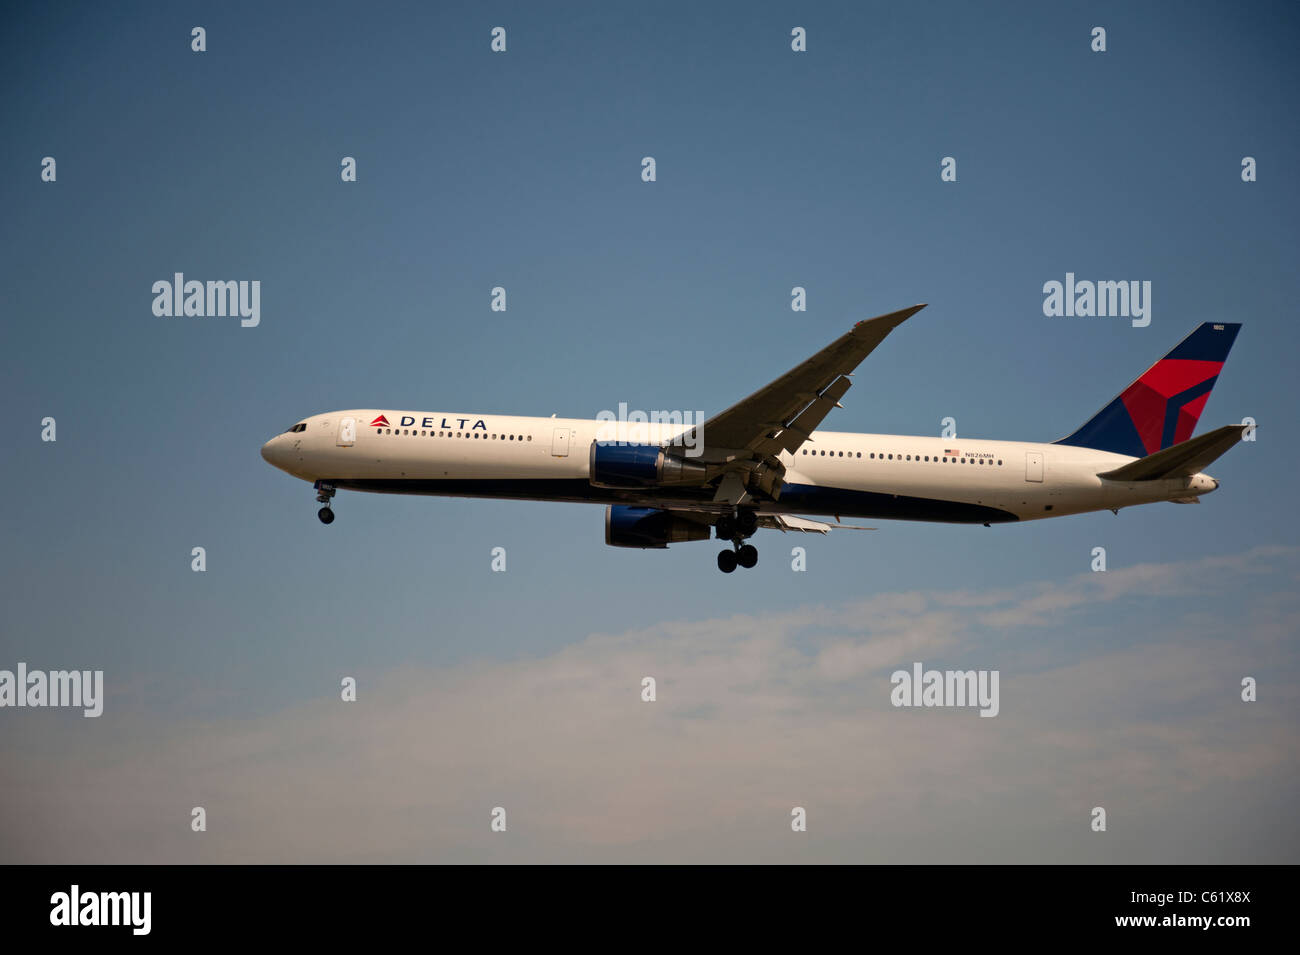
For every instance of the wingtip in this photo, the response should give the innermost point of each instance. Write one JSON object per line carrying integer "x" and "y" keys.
{"x": 894, "y": 318}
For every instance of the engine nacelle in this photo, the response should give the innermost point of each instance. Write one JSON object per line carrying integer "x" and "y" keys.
{"x": 649, "y": 527}
{"x": 640, "y": 465}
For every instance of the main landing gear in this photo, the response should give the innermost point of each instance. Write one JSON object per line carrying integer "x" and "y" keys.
{"x": 323, "y": 494}
{"x": 735, "y": 528}
{"x": 746, "y": 555}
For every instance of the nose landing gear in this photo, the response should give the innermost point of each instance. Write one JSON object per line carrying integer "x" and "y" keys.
{"x": 736, "y": 527}
{"x": 324, "y": 492}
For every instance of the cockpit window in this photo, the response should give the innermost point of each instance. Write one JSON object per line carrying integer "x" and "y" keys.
{"x": 300, "y": 426}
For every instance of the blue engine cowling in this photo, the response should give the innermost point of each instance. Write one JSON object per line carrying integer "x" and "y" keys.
{"x": 640, "y": 465}
{"x": 625, "y": 465}
{"x": 649, "y": 527}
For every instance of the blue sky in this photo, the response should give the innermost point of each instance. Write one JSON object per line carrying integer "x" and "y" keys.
{"x": 522, "y": 169}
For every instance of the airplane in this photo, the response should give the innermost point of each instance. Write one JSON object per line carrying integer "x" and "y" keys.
{"x": 762, "y": 462}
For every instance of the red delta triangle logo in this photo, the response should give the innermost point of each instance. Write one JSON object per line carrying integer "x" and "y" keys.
{"x": 380, "y": 422}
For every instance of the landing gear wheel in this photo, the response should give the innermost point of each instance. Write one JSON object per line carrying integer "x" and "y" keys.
{"x": 747, "y": 556}
{"x": 726, "y": 528}
{"x": 746, "y": 524}
{"x": 324, "y": 492}
{"x": 726, "y": 561}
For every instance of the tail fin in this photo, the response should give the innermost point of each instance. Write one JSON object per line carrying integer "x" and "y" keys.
{"x": 1162, "y": 407}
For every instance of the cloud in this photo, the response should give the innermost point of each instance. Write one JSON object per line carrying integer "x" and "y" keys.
{"x": 755, "y": 715}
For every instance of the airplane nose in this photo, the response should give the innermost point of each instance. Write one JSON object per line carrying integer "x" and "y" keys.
{"x": 274, "y": 452}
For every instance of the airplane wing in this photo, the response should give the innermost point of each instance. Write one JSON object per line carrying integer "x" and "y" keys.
{"x": 742, "y": 445}
{"x": 788, "y": 522}
{"x": 779, "y": 416}
{"x": 1181, "y": 460}
{"x": 779, "y": 522}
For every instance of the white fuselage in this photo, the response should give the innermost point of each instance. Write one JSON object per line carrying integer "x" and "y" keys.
{"x": 880, "y": 476}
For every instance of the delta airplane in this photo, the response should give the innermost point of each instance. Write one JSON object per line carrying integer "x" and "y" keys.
{"x": 762, "y": 461}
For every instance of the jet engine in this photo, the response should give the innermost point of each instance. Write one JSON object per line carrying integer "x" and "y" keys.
{"x": 649, "y": 527}
{"x": 640, "y": 465}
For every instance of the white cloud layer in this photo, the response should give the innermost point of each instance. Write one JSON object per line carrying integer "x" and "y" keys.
{"x": 1119, "y": 689}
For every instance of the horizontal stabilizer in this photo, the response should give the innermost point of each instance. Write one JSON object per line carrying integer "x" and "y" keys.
{"x": 1182, "y": 460}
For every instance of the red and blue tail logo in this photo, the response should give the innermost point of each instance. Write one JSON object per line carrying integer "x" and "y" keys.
{"x": 1162, "y": 407}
